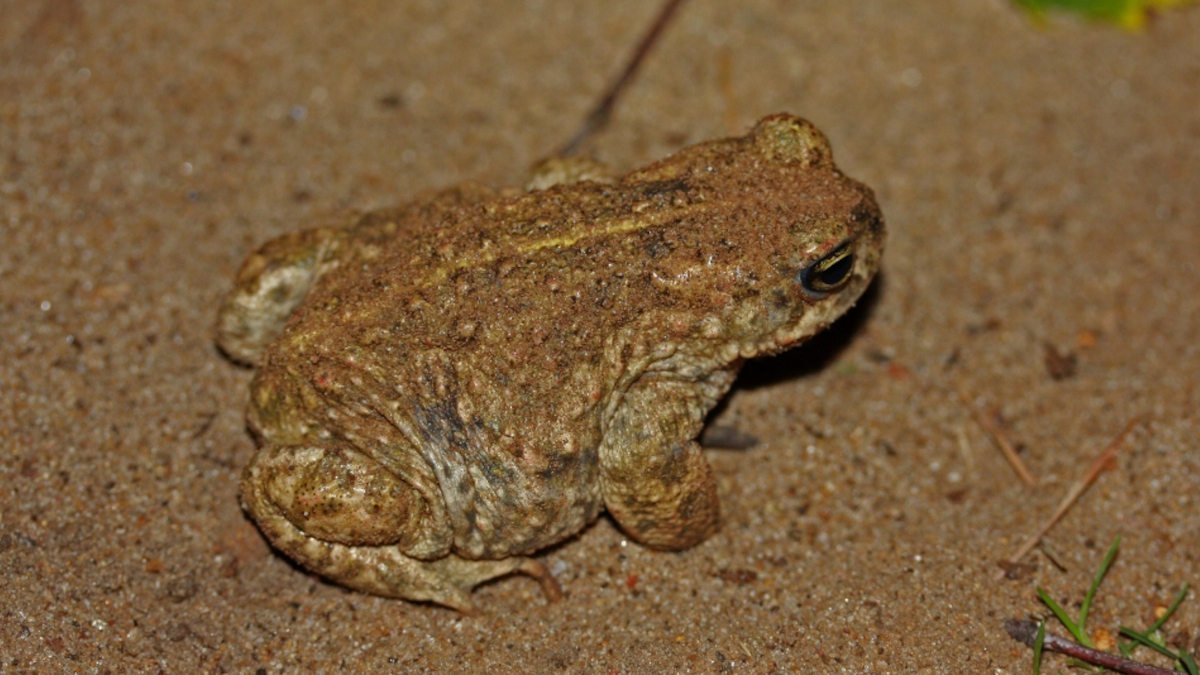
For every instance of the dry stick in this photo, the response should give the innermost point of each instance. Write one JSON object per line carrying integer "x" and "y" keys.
{"x": 1026, "y": 631}
{"x": 1000, "y": 438}
{"x": 1102, "y": 462}
{"x": 603, "y": 110}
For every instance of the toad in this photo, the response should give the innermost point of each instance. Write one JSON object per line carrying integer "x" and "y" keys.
{"x": 446, "y": 387}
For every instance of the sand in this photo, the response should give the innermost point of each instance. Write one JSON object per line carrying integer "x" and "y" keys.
{"x": 1042, "y": 191}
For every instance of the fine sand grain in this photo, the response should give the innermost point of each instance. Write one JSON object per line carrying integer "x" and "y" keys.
{"x": 1042, "y": 191}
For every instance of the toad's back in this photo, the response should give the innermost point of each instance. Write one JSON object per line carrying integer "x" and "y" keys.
{"x": 534, "y": 286}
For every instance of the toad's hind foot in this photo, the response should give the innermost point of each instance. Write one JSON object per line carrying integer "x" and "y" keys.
{"x": 385, "y": 571}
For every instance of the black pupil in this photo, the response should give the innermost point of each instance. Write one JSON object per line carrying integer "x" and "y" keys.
{"x": 837, "y": 272}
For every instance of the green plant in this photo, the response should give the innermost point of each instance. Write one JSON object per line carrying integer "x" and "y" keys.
{"x": 1127, "y": 13}
{"x": 1083, "y": 652}
{"x": 1152, "y": 638}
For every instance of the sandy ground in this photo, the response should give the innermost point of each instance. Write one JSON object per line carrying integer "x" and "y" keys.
{"x": 1042, "y": 189}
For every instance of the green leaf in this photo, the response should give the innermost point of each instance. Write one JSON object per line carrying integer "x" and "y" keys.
{"x": 1130, "y": 14}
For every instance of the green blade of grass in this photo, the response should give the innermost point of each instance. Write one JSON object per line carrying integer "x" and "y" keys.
{"x": 1145, "y": 639}
{"x": 1087, "y": 600}
{"x": 1189, "y": 663}
{"x": 1126, "y": 649}
{"x": 1147, "y": 634}
{"x": 1072, "y": 627}
{"x": 1170, "y": 610}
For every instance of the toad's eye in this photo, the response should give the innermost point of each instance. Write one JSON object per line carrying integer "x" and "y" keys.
{"x": 829, "y": 273}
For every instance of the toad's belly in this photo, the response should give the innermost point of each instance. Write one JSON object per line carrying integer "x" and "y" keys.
{"x": 500, "y": 505}
{"x": 517, "y": 467}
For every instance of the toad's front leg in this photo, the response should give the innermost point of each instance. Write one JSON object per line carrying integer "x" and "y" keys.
{"x": 345, "y": 516}
{"x": 655, "y": 479}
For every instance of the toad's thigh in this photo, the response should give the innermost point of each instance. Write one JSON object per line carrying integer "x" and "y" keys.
{"x": 335, "y": 493}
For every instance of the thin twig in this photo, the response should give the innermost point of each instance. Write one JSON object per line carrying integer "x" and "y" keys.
{"x": 599, "y": 115}
{"x": 1026, "y": 631}
{"x": 1101, "y": 463}
{"x": 1000, "y": 438}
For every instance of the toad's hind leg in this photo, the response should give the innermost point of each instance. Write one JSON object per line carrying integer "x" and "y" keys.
{"x": 270, "y": 286}
{"x": 340, "y": 514}
{"x": 385, "y": 571}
